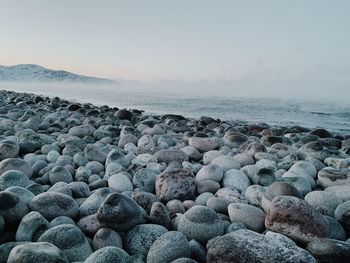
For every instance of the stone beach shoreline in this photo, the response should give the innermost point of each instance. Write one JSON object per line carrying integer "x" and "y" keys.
{"x": 86, "y": 183}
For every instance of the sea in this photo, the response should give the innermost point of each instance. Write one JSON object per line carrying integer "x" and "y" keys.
{"x": 333, "y": 116}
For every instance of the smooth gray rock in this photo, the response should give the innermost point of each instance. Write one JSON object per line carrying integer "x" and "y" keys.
{"x": 16, "y": 164}
{"x": 31, "y": 227}
{"x": 52, "y": 205}
{"x": 109, "y": 254}
{"x": 38, "y": 252}
{"x": 13, "y": 178}
{"x": 106, "y": 237}
{"x": 168, "y": 247}
{"x": 245, "y": 246}
{"x": 145, "y": 179}
{"x": 70, "y": 239}
{"x": 140, "y": 238}
{"x": 201, "y": 224}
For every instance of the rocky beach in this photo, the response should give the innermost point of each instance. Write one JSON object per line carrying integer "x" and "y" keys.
{"x": 96, "y": 184}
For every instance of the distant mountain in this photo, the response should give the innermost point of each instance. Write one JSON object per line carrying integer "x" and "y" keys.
{"x": 36, "y": 73}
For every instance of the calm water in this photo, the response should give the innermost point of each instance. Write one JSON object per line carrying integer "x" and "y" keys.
{"x": 332, "y": 116}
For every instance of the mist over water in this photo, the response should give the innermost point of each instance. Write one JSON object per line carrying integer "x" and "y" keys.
{"x": 193, "y": 101}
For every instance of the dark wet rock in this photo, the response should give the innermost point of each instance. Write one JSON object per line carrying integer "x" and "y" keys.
{"x": 8, "y": 200}
{"x": 160, "y": 215}
{"x": 120, "y": 212}
{"x": 176, "y": 184}
{"x": 247, "y": 246}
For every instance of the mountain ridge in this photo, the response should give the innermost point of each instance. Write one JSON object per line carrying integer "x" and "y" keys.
{"x": 37, "y": 73}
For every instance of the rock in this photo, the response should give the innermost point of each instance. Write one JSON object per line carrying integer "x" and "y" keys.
{"x": 169, "y": 155}
{"x": 52, "y": 205}
{"x": 336, "y": 231}
{"x": 183, "y": 260}
{"x": 13, "y": 178}
{"x": 60, "y": 174}
{"x": 210, "y": 155}
{"x": 119, "y": 212}
{"x": 120, "y": 183}
{"x": 226, "y": 162}
{"x": 95, "y": 153}
{"x": 234, "y": 138}
{"x": 144, "y": 199}
{"x": 175, "y": 206}
{"x": 200, "y": 223}
{"x": 218, "y": 204}
{"x": 168, "y": 247}
{"x": 31, "y": 227}
{"x": 207, "y": 186}
{"x": 175, "y": 184}
{"x": 203, "y": 198}
{"x": 329, "y": 250}
{"x": 160, "y": 215}
{"x": 330, "y": 177}
{"x": 52, "y": 156}
{"x": 109, "y": 254}
{"x": 245, "y": 246}
{"x": 124, "y": 114}
{"x": 21, "y": 208}
{"x": 38, "y": 252}
{"x": 210, "y": 172}
{"x": 198, "y": 252}
{"x": 244, "y": 159}
{"x": 70, "y": 239}
{"x": 93, "y": 202}
{"x": 8, "y": 149}
{"x": 145, "y": 179}
{"x": 82, "y": 130}
{"x": 61, "y": 220}
{"x": 8, "y": 200}
{"x": 296, "y": 219}
{"x": 106, "y": 237}
{"x": 204, "y": 144}
{"x": 278, "y": 189}
{"x": 231, "y": 195}
{"x": 254, "y": 194}
{"x": 144, "y": 159}
{"x": 252, "y": 217}
{"x": 89, "y": 225}
{"x": 16, "y": 164}
{"x": 193, "y": 153}
{"x": 304, "y": 166}
{"x": 234, "y": 178}
{"x": 327, "y": 201}
{"x": 140, "y": 238}
{"x": 342, "y": 214}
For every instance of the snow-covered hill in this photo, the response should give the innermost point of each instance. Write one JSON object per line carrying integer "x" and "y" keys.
{"x": 36, "y": 73}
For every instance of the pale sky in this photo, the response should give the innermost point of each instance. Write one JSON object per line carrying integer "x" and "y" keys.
{"x": 271, "y": 42}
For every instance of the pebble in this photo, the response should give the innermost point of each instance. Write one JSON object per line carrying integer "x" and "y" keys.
{"x": 252, "y": 217}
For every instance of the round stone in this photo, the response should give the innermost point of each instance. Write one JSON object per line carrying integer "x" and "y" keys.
{"x": 70, "y": 239}
{"x": 120, "y": 182}
{"x": 13, "y": 178}
{"x": 252, "y": 217}
{"x": 38, "y": 252}
{"x": 145, "y": 179}
{"x": 236, "y": 179}
{"x": 140, "y": 238}
{"x": 119, "y": 212}
{"x": 168, "y": 247}
{"x": 53, "y": 204}
{"x": 60, "y": 174}
{"x": 31, "y": 227}
{"x": 109, "y": 254}
{"x": 8, "y": 149}
{"x": 210, "y": 172}
{"x": 200, "y": 223}
{"x": 106, "y": 237}
{"x": 16, "y": 164}
{"x": 203, "y": 144}
{"x": 226, "y": 162}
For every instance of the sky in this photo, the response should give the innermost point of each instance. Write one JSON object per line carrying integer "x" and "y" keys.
{"x": 276, "y": 46}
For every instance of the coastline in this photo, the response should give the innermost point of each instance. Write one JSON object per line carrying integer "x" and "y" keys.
{"x": 191, "y": 187}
